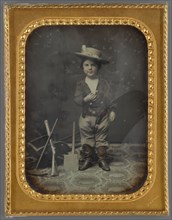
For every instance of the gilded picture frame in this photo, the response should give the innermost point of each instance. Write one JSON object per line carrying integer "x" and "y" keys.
{"x": 152, "y": 197}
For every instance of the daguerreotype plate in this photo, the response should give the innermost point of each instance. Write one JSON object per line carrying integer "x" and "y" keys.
{"x": 86, "y": 109}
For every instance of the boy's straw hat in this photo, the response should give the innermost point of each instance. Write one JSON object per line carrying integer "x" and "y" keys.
{"x": 92, "y": 53}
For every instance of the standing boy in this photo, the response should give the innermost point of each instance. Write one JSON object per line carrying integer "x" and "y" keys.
{"x": 94, "y": 94}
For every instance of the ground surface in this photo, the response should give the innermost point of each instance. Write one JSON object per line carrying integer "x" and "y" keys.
{"x": 128, "y": 164}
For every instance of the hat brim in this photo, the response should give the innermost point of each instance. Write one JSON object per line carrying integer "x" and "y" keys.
{"x": 100, "y": 60}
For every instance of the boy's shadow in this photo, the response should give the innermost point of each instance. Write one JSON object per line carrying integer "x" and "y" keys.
{"x": 130, "y": 109}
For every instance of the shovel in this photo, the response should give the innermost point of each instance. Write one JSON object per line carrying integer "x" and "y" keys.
{"x": 71, "y": 159}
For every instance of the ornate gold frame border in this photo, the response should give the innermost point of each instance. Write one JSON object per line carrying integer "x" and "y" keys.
{"x": 20, "y": 103}
{"x": 89, "y": 6}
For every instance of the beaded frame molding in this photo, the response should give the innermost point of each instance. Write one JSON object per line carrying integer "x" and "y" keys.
{"x": 155, "y": 188}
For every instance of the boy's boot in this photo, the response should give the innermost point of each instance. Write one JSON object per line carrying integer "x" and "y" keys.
{"x": 86, "y": 159}
{"x": 102, "y": 154}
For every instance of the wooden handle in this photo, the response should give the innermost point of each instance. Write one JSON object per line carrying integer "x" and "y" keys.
{"x": 53, "y": 163}
{"x": 48, "y": 133}
{"x": 47, "y": 127}
{"x": 46, "y": 143}
{"x": 73, "y": 139}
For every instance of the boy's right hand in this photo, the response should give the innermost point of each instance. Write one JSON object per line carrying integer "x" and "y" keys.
{"x": 90, "y": 97}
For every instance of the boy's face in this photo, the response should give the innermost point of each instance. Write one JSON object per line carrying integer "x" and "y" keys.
{"x": 90, "y": 68}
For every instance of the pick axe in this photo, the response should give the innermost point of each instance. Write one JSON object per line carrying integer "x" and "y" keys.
{"x": 49, "y": 137}
{"x": 54, "y": 171}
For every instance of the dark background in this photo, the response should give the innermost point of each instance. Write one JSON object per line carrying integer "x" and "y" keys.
{"x": 52, "y": 70}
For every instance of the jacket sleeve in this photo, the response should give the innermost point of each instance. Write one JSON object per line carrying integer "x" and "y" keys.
{"x": 78, "y": 96}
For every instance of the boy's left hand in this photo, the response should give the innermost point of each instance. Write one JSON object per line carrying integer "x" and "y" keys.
{"x": 112, "y": 116}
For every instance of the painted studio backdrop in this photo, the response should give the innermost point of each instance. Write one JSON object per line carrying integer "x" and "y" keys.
{"x": 52, "y": 70}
